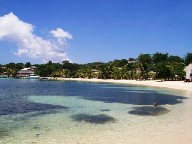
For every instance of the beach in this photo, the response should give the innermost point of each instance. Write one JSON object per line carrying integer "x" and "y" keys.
{"x": 95, "y": 111}
{"x": 165, "y": 129}
{"x": 179, "y": 85}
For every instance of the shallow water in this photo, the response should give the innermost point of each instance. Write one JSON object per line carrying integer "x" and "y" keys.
{"x": 80, "y": 112}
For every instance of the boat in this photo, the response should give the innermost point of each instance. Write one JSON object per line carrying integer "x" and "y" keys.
{"x": 3, "y": 76}
{"x": 33, "y": 76}
{"x": 44, "y": 78}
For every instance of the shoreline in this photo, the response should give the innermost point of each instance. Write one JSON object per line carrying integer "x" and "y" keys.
{"x": 178, "y": 85}
{"x": 175, "y": 127}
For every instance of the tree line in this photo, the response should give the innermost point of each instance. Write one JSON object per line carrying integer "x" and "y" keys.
{"x": 144, "y": 67}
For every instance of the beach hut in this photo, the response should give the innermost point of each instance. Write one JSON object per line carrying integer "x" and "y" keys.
{"x": 188, "y": 71}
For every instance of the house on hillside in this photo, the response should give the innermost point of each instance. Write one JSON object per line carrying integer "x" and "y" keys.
{"x": 188, "y": 71}
{"x": 131, "y": 60}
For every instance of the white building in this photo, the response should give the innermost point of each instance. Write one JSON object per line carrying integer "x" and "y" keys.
{"x": 26, "y": 72}
{"x": 188, "y": 71}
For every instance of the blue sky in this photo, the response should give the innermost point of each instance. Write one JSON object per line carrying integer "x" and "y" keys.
{"x": 92, "y": 30}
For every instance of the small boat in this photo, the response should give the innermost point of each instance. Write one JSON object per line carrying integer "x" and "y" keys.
{"x": 3, "y": 76}
{"x": 44, "y": 78}
{"x": 33, "y": 76}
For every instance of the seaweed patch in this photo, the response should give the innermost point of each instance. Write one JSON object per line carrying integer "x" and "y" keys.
{"x": 94, "y": 119}
{"x": 148, "y": 111}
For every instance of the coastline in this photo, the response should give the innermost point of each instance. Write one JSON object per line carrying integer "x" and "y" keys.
{"x": 175, "y": 127}
{"x": 178, "y": 85}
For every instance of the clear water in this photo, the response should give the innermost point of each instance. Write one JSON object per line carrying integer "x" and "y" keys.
{"x": 33, "y": 111}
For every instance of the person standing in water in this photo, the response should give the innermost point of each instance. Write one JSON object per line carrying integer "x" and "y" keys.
{"x": 155, "y": 104}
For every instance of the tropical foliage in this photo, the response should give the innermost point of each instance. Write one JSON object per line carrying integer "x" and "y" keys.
{"x": 145, "y": 66}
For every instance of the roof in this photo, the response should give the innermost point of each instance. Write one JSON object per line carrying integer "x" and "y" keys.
{"x": 26, "y": 69}
{"x": 189, "y": 67}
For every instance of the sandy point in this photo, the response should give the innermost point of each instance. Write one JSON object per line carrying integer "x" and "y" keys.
{"x": 179, "y": 85}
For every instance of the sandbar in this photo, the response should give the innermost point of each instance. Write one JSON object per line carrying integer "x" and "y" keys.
{"x": 179, "y": 85}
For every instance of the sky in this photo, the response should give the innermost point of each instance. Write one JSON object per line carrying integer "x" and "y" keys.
{"x": 85, "y": 31}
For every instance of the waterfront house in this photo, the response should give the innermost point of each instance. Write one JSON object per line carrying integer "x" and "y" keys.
{"x": 188, "y": 71}
{"x": 25, "y": 72}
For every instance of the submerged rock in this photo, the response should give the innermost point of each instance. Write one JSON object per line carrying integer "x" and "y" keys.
{"x": 148, "y": 111}
{"x": 36, "y": 127}
{"x": 37, "y": 134}
{"x": 104, "y": 110}
{"x": 95, "y": 119}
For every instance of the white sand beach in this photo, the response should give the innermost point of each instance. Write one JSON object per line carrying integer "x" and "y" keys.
{"x": 180, "y": 85}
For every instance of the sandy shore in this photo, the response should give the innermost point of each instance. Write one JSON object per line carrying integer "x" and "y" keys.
{"x": 180, "y": 85}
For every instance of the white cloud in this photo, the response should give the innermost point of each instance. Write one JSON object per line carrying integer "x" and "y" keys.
{"x": 59, "y": 33}
{"x": 28, "y": 44}
{"x": 61, "y": 36}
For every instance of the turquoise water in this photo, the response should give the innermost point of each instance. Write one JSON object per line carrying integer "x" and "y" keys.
{"x": 33, "y": 111}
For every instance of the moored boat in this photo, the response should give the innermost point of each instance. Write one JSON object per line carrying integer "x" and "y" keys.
{"x": 3, "y": 76}
{"x": 33, "y": 76}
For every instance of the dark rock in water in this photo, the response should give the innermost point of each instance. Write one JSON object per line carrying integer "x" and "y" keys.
{"x": 104, "y": 110}
{"x": 36, "y": 127}
{"x": 95, "y": 119}
{"x": 148, "y": 111}
{"x": 37, "y": 135}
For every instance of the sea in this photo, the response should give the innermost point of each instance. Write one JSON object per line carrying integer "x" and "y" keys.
{"x": 70, "y": 112}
